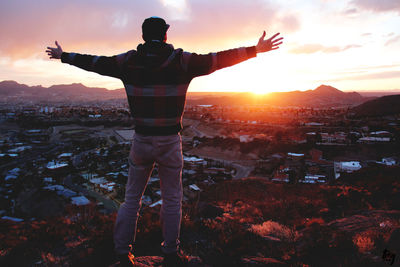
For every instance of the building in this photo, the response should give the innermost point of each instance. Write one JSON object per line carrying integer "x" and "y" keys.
{"x": 389, "y": 161}
{"x": 346, "y": 166}
{"x": 313, "y": 179}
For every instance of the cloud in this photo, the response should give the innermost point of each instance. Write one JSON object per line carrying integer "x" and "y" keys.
{"x": 381, "y": 67}
{"x": 351, "y": 11}
{"x": 226, "y": 21}
{"x": 393, "y": 40}
{"x": 378, "y": 5}
{"x": 372, "y": 76}
{"x": 366, "y": 34}
{"x": 27, "y": 27}
{"x": 314, "y": 48}
{"x": 368, "y": 69}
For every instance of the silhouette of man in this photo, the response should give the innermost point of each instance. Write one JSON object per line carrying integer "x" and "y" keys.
{"x": 156, "y": 78}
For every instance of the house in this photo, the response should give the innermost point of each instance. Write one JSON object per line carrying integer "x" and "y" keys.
{"x": 346, "y": 166}
{"x": 295, "y": 156}
{"x": 372, "y": 139}
{"x": 313, "y": 179}
{"x": 52, "y": 165}
{"x": 12, "y": 219}
{"x": 192, "y": 162}
{"x": 156, "y": 203}
{"x": 245, "y": 138}
{"x": 95, "y": 116}
{"x": 19, "y": 149}
{"x": 80, "y": 201}
{"x": 389, "y": 161}
{"x": 380, "y": 134}
{"x": 313, "y": 124}
{"x": 65, "y": 156}
{"x": 109, "y": 186}
{"x": 281, "y": 174}
{"x": 12, "y": 174}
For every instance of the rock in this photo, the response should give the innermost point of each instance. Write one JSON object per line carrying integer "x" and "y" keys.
{"x": 261, "y": 261}
{"x": 148, "y": 261}
{"x": 365, "y": 220}
{"x": 355, "y": 223}
{"x": 393, "y": 243}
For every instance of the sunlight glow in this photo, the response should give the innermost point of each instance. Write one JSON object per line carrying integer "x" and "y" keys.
{"x": 345, "y": 44}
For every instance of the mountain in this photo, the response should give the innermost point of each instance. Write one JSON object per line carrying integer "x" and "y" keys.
{"x": 385, "y": 105}
{"x": 323, "y": 95}
{"x": 12, "y": 91}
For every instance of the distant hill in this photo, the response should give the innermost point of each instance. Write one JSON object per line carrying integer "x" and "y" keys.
{"x": 379, "y": 93}
{"x": 385, "y": 105}
{"x": 323, "y": 95}
{"x": 12, "y": 91}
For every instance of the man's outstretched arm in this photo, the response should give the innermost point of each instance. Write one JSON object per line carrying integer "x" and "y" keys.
{"x": 110, "y": 66}
{"x": 198, "y": 65}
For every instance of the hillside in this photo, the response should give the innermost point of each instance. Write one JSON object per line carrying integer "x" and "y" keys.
{"x": 11, "y": 91}
{"x": 323, "y": 95}
{"x": 385, "y": 105}
{"x": 245, "y": 222}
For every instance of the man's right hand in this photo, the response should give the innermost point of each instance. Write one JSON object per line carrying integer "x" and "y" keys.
{"x": 54, "y": 52}
{"x": 269, "y": 44}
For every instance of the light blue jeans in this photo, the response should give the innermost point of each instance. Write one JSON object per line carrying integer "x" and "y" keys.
{"x": 166, "y": 151}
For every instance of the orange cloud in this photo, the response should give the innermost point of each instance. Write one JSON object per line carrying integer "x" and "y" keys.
{"x": 314, "y": 48}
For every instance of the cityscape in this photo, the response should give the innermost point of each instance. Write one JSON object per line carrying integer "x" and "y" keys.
{"x": 273, "y": 174}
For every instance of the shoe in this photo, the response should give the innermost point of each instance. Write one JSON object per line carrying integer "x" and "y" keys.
{"x": 126, "y": 260}
{"x": 175, "y": 259}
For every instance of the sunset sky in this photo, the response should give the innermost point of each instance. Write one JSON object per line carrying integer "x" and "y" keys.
{"x": 349, "y": 44}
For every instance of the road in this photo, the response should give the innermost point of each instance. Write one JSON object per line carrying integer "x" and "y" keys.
{"x": 198, "y": 132}
{"x": 242, "y": 171}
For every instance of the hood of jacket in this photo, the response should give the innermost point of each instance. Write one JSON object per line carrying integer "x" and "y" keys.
{"x": 152, "y": 55}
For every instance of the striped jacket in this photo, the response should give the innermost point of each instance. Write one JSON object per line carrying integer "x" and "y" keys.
{"x": 156, "y": 78}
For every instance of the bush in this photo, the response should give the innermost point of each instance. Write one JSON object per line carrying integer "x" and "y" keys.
{"x": 271, "y": 228}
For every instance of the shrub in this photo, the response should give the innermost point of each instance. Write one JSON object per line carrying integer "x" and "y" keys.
{"x": 274, "y": 229}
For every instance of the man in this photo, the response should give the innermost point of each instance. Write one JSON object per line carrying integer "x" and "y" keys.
{"x": 156, "y": 78}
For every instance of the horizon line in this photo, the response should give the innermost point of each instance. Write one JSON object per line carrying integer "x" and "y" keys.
{"x": 190, "y": 91}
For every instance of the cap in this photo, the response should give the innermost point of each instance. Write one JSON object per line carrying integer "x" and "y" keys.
{"x": 154, "y": 27}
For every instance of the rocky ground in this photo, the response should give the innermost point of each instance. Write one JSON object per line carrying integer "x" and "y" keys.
{"x": 245, "y": 222}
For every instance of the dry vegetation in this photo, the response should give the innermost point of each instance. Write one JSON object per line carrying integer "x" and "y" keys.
{"x": 235, "y": 223}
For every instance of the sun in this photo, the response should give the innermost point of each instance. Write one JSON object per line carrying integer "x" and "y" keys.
{"x": 259, "y": 91}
